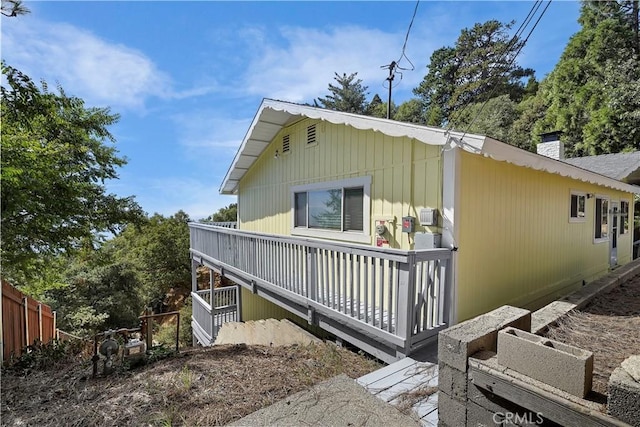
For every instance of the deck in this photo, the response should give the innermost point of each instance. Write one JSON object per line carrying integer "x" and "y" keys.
{"x": 387, "y": 302}
{"x": 407, "y": 382}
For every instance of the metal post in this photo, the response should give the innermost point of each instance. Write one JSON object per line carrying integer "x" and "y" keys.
{"x": 149, "y": 323}
{"x": 178, "y": 333}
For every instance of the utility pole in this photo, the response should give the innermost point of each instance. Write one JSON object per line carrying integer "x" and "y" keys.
{"x": 391, "y": 68}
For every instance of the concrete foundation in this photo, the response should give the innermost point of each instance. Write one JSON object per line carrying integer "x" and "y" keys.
{"x": 560, "y": 365}
{"x": 624, "y": 392}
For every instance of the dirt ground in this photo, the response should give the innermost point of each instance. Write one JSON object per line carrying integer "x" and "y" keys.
{"x": 212, "y": 386}
{"x": 609, "y": 327}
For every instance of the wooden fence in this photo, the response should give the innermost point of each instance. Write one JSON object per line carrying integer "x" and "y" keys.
{"x": 24, "y": 321}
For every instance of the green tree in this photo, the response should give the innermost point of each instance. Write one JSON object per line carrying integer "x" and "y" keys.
{"x": 480, "y": 66}
{"x": 349, "y": 95}
{"x": 592, "y": 93}
{"x": 158, "y": 251}
{"x": 494, "y": 118}
{"x": 225, "y": 214}
{"x": 55, "y": 161}
{"x": 411, "y": 111}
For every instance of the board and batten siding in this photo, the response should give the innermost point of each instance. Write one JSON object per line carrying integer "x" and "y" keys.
{"x": 516, "y": 243}
{"x": 405, "y": 176}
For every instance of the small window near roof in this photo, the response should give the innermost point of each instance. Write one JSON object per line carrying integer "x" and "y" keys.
{"x": 577, "y": 207}
{"x": 286, "y": 143}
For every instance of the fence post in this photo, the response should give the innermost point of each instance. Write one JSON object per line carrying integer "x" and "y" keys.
{"x": 25, "y": 301}
{"x": 40, "y": 322}
{"x": 55, "y": 331}
{"x": 406, "y": 301}
{"x": 312, "y": 282}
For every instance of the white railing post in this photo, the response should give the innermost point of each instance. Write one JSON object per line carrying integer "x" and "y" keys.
{"x": 312, "y": 280}
{"x": 406, "y": 298}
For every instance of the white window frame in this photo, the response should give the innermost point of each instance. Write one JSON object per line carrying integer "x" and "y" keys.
{"x": 595, "y": 216}
{"x": 621, "y": 218}
{"x": 363, "y": 236}
{"x": 578, "y": 218}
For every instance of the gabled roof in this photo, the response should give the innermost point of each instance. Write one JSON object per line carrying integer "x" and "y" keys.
{"x": 272, "y": 116}
{"x": 621, "y": 166}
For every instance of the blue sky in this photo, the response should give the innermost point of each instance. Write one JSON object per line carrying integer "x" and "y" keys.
{"x": 188, "y": 77}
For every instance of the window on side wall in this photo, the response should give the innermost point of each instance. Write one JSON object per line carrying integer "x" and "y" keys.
{"x": 577, "y": 207}
{"x": 602, "y": 219}
{"x": 336, "y": 210}
{"x": 624, "y": 216}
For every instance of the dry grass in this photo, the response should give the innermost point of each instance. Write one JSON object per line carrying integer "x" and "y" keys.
{"x": 410, "y": 398}
{"x": 211, "y": 386}
{"x": 609, "y": 327}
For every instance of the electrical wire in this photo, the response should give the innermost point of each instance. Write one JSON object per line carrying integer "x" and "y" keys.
{"x": 525, "y": 23}
{"x": 394, "y": 66}
{"x": 510, "y": 63}
{"x": 406, "y": 39}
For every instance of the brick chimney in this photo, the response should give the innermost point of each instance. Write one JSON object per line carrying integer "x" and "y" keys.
{"x": 551, "y": 146}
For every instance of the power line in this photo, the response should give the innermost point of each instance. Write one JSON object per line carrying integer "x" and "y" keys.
{"x": 394, "y": 66}
{"x": 525, "y": 23}
{"x": 406, "y": 38}
{"x": 510, "y": 63}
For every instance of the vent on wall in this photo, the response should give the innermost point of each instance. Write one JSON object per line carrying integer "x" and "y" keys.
{"x": 311, "y": 134}
{"x": 286, "y": 143}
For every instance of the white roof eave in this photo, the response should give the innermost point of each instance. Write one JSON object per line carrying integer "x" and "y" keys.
{"x": 269, "y": 129}
{"x": 500, "y": 151}
{"x": 251, "y": 148}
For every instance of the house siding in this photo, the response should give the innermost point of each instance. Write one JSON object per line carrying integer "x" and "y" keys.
{"x": 405, "y": 176}
{"x": 516, "y": 244}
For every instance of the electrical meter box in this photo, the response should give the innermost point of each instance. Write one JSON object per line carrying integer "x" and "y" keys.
{"x": 427, "y": 240}
{"x": 428, "y": 216}
{"x": 408, "y": 224}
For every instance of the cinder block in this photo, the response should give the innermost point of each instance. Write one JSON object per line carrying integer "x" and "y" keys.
{"x": 560, "y": 365}
{"x": 624, "y": 397}
{"x": 478, "y": 416}
{"x": 451, "y": 412}
{"x": 452, "y": 381}
{"x": 457, "y": 343}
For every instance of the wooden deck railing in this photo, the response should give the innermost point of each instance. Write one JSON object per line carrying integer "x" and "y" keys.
{"x": 399, "y": 296}
{"x": 210, "y": 318}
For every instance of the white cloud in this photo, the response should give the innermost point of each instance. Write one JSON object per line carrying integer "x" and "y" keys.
{"x": 301, "y": 63}
{"x": 100, "y": 72}
{"x": 209, "y": 132}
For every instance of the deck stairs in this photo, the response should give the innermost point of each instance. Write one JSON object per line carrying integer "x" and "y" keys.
{"x": 407, "y": 382}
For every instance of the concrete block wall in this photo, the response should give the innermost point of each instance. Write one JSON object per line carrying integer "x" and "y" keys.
{"x": 624, "y": 392}
{"x": 459, "y": 401}
{"x": 560, "y": 365}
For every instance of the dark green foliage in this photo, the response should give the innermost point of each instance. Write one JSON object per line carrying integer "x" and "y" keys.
{"x": 349, "y": 95}
{"x": 592, "y": 95}
{"x": 158, "y": 251}
{"x": 226, "y": 214}
{"x": 479, "y": 67}
{"x": 46, "y": 355}
{"x": 55, "y": 161}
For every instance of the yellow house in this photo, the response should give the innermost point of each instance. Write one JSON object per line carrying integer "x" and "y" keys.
{"x": 383, "y": 232}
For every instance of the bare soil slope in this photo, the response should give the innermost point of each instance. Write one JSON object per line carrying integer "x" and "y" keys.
{"x": 204, "y": 387}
